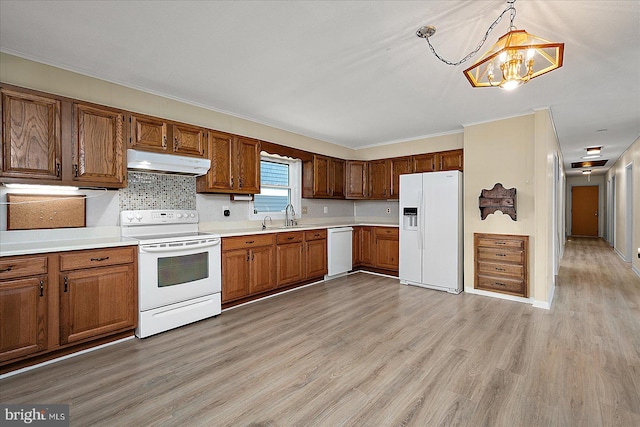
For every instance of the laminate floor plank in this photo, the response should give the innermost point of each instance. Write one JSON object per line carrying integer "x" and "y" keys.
{"x": 364, "y": 350}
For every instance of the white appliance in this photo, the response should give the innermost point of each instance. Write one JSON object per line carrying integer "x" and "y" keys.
{"x": 339, "y": 251}
{"x": 179, "y": 269}
{"x": 158, "y": 162}
{"x": 431, "y": 230}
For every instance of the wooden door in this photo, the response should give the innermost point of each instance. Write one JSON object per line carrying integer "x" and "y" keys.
{"x": 584, "y": 210}
{"x": 149, "y": 134}
{"x": 98, "y": 155}
{"x": 189, "y": 140}
{"x": 379, "y": 179}
{"x": 235, "y": 274}
{"x": 290, "y": 263}
{"x": 23, "y": 304}
{"x": 263, "y": 269}
{"x": 247, "y": 151}
{"x": 31, "y": 139}
{"x": 449, "y": 160}
{"x": 399, "y": 166}
{"x": 366, "y": 246}
{"x": 424, "y": 163}
{"x": 219, "y": 178}
{"x": 337, "y": 179}
{"x": 97, "y": 301}
{"x": 356, "y": 179}
{"x": 321, "y": 181}
{"x": 316, "y": 258}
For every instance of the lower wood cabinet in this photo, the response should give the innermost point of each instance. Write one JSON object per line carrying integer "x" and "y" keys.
{"x": 315, "y": 253}
{"x": 53, "y": 302}
{"x": 501, "y": 263}
{"x": 376, "y": 248}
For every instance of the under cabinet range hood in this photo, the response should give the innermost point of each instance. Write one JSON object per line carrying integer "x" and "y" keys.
{"x": 166, "y": 163}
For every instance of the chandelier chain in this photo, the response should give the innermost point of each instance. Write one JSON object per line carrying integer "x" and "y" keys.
{"x": 510, "y": 8}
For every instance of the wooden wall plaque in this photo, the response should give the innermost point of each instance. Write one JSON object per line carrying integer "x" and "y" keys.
{"x": 498, "y": 199}
{"x": 32, "y": 211}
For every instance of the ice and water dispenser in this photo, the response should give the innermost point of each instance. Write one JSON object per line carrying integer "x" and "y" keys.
{"x": 410, "y": 218}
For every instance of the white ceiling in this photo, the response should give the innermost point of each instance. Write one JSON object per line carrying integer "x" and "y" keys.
{"x": 348, "y": 72}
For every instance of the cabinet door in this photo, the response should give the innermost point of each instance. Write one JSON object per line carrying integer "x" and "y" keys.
{"x": 424, "y": 163}
{"x": 98, "y": 155}
{"x": 386, "y": 248}
{"x": 337, "y": 179}
{"x": 399, "y": 166}
{"x": 97, "y": 301}
{"x": 356, "y": 179}
{"x": 219, "y": 177}
{"x": 31, "y": 146}
{"x": 149, "y": 134}
{"x": 449, "y": 160}
{"x": 290, "y": 263}
{"x": 366, "y": 243}
{"x": 189, "y": 140}
{"x": 379, "y": 179}
{"x": 316, "y": 258}
{"x": 263, "y": 268}
{"x": 321, "y": 176}
{"x": 23, "y": 304}
{"x": 247, "y": 166}
{"x": 235, "y": 274}
{"x": 355, "y": 241}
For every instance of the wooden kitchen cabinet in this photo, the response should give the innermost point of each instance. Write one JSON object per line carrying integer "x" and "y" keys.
{"x": 323, "y": 178}
{"x": 356, "y": 179}
{"x": 336, "y": 173}
{"x": 235, "y": 274}
{"x": 315, "y": 253}
{"x": 501, "y": 263}
{"x": 366, "y": 246}
{"x": 424, "y": 163}
{"x": 449, "y": 160}
{"x": 98, "y": 154}
{"x": 379, "y": 179}
{"x": 98, "y": 293}
{"x": 189, "y": 140}
{"x": 291, "y": 260}
{"x": 399, "y": 166}
{"x": 387, "y": 248}
{"x": 163, "y": 136}
{"x": 235, "y": 165}
{"x": 355, "y": 250}
{"x": 31, "y": 136}
{"x": 248, "y": 265}
{"x": 23, "y": 303}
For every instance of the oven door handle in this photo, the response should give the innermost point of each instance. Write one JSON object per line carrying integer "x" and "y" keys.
{"x": 181, "y": 247}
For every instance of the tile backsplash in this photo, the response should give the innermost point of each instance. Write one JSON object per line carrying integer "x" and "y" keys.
{"x": 158, "y": 191}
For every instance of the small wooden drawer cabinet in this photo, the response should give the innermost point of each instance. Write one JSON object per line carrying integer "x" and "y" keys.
{"x": 501, "y": 263}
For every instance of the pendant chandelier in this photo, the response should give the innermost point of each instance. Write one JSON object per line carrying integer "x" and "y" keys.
{"x": 513, "y": 60}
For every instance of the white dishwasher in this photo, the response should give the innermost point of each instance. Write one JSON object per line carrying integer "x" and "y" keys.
{"x": 339, "y": 251}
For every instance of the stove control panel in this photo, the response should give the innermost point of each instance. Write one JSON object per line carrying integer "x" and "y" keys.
{"x": 164, "y": 216}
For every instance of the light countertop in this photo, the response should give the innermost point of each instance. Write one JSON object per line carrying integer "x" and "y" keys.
{"x": 229, "y": 232}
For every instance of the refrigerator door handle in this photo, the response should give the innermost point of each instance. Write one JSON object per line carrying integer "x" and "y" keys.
{"x": 421, "y": 211}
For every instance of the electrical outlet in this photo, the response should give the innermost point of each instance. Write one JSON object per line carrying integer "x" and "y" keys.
{"x": 326, "y": 210}
{"x": 225, "y": 208}
{"x": 304, "y": 210}
{"x": 388, "y": 210}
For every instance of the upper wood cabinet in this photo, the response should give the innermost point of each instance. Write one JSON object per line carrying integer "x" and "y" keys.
{"x": 98, "y": 153}
{"x": 31, "y": 136}
{"x": 323, "y": 178}
{"x": 235, "y": 165}
{"x": 379, "y": 179}
{"x": 399, "y": 166}
{"x": 449, "y": 160}
{"x": 356, "y": 179}
{"x": 163, "y": 136}
{"x": 424, "y": 163}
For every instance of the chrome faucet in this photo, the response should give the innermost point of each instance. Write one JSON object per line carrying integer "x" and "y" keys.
{"x": 264, "y": 222}
{"x": 290, "y": 215}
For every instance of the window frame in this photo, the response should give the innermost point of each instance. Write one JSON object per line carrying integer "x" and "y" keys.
{"x": 295, "y": 187}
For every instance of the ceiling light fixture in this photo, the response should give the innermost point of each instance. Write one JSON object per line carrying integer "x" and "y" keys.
{"x": 593, "y": 151}
{"x": 517, "y": 55}
{"x": 592, "y": 156}
{"x": 586, "y": 172}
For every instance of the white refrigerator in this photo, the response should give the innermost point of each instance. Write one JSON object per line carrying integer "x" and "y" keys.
{"x": 431, "y": 236}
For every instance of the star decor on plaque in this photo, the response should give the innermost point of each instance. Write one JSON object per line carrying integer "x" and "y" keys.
{"x": 498, "y": 199}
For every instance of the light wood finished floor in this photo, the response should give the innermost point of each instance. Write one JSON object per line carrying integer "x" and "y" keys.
{"x": 366, "y": 351}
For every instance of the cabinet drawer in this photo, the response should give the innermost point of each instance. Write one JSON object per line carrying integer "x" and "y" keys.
{"x": 315, "y": 234}
{"x": 500, "y": 255}
{"x": 512, "y": 286}
{"x": 291, "y": 237}
{"x": 387, "y": 232}
{"x": 250, "y": 241}
{"x": 491, "y": 268}
{"x": 501, "y": 243}
{"x": 22, "y": 267}
{"x": 96, "y": 258}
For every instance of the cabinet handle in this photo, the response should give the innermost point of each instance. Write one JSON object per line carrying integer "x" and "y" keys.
{"x": 75, "y": 170}
{"x": 7, "y": 269}
{"x": 240, "y": 182}
{"x": 250, "y": 242}
{"x": 499, "y": 284}
{"x": 100, "y": 259}
{"x": 164, "y": 141}
{"x": 248, "y": 256}
{"x": 175, "y": 143}
{"x": 66, "y": 283}
{"x": 290, "y": 238}
{"x": 501, "y": 243}
{"x": 58, "y": 169}
{"x": 501, "y": 255}
{"x": 500, "y": 269}
{"x": 252, "y": 255}
{"x": 231, "y": 181}
{"x": 316, "y": 235}
{"x": 41, "y": 287}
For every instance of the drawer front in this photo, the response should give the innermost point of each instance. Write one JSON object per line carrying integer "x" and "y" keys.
{"x": 387, "y": 232}
{"x": 500, "y": 255}
{"x": 22, "y": 267}
{"x": 315, "y": 234}
{"x": 96, "y": 258}
{"x": 490, "y": 242}
{"x": 290, "y": 237}
{"x": 512, "y": 286}
{"x": 491, "y": 268}
{"x": 249, "y": 241}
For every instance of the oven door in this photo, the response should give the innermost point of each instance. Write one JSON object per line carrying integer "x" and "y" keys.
{"x": 174, "y": 272}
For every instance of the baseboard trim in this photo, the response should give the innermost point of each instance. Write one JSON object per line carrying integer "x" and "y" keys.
{"x": 635, "y": 270}
{"x": 497, "y": 295}
{"x": 620, "y": 254}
